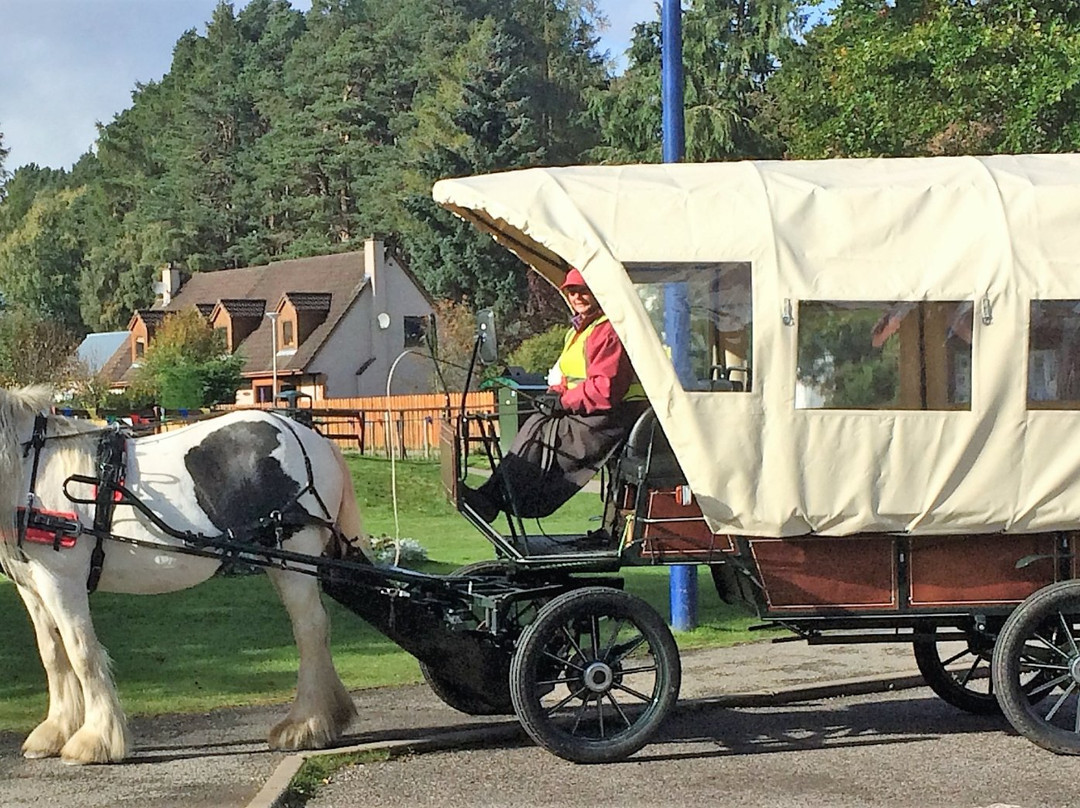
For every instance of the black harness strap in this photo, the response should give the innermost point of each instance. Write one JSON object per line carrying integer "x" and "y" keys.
{"x": 110, "y": 465}
{"x": 36, "y": 442}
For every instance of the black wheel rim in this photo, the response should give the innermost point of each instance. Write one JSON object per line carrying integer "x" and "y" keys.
{"x": 598, "y": 676}
{"x": 1050, "y": 656}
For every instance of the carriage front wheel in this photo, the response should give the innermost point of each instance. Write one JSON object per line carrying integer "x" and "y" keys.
{"x": 1042, "y": 638}
{"x": 594, "y": 675}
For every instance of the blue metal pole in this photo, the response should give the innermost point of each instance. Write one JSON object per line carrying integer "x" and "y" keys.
{"x": 671, "y": 81}
{"x": 682, "y": 577}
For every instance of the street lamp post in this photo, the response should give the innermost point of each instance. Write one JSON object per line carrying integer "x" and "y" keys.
{"x": 273, "y": 355}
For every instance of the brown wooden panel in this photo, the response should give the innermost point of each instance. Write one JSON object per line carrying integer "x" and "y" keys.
{"x": 948, "y": 570}
{"x": 841, "y": 572}
{"x": 673, "y": 529}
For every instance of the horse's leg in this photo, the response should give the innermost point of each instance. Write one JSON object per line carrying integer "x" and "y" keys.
{"x": 103, "y": 736}
{"x": 65, "y": 714}
{"x": 323, "y": 707}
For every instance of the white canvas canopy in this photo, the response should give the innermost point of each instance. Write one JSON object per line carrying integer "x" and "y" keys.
{"x": 991, "y": 233}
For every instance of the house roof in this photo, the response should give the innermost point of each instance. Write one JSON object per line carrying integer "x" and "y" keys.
{"x": 329, "y": 283}
{"x": 244, "y": 307}
{"x": 96, "y": 349}
{"x": 309, "y": 301}
{"x": 152, "y": 317}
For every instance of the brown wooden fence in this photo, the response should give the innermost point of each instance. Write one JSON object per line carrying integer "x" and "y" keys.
{"x": 361, "y": 424}
{"x": 357, "y": 424}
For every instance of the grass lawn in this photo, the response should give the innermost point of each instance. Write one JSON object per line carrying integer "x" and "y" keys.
{"x": 228, "y": 641}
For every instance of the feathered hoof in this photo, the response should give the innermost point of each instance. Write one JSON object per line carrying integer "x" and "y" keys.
{"x": 315, "y": 733}
{"x": 87, "y": 746}
{"x": 46, "y": 740}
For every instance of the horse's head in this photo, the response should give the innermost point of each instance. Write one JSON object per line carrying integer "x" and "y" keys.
{"x": 18, "y": 408}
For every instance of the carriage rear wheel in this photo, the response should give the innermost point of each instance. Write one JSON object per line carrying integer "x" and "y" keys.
{"x": 959, "y": 671}
{"x": 495, "y": 698}
{"x": 595, "y": 675}
{"x": 1041, "y": 638}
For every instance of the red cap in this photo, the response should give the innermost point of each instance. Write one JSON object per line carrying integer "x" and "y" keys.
{"x": 573, "y": 278}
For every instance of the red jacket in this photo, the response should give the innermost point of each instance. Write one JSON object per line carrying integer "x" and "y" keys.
{"x": 608, "y": 372}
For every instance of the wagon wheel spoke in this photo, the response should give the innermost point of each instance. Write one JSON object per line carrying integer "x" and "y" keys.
{"x": 619, "y": 709}
{"x": 636, "y": 694}
{"x": 1046, "y": 687}
{"x": 955, "y": 657}
{"x": 1064, "y": 697}
{"x": 1050, "y": 646}
{"x": 970, "y": 672}
{"x": 573, "y": 695}
{"x": 638, "y": 669}
{"x": 563, "y": 660}
{"x": 616, "y": 629}
{"x": 625, "y": 649}
{"x": 1030, "y": 665}
{"x": 1067, "y": 628}
{"x": 572, "y": 640}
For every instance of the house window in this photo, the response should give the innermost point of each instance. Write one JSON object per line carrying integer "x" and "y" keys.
{"x": 415, "y": 331}
{"x": 702, "y": 314}
{"x": 264, "y": 393}
{"x": 288, "y": 336}
{"x": 140, "y": 347}
{"x": 1054, "y": 355}
{"x": 884, "y": 355}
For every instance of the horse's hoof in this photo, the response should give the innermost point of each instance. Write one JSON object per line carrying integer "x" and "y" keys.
{"x": 45, "y": 741}
{"x": 311, "y": 734}
{"x": 85, "y": 748}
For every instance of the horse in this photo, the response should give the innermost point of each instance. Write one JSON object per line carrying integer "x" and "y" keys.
{"x": 216, "y": 477}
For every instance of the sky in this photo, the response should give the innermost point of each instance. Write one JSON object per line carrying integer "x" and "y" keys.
{"x": 66, "y": 65}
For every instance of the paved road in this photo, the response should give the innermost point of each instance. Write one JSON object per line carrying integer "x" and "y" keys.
{"x": 905, "y": 749}
{"x": 220, "y": 759}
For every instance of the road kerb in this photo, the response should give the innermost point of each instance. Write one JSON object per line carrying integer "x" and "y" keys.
{"x": 277, "y": 785}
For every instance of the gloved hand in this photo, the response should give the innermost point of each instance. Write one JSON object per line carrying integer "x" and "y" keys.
{"x": 550, "y": 406}
{"x": 554, "y": 376}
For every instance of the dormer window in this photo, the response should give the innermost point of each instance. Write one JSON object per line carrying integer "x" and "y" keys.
{"x": 288, "y": 334}
{"x": 140, "y": 347}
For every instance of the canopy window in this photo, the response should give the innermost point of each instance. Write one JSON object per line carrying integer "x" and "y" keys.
{"x": 1054, "y": 355}
{"x": 702, "y": 314}
{"x": 884, "y": 355}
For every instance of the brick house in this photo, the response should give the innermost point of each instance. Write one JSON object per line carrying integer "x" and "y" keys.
{"x": 330, "y": 326}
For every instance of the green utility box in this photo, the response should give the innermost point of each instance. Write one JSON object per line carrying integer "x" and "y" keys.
{"x": 515, "y": 392}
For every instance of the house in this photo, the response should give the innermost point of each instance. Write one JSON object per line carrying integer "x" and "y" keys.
{"x": 330, "y": 326}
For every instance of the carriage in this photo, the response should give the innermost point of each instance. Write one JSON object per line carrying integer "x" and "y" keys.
{"x": 863, "y": 379}
{"x": 864, "y": 387}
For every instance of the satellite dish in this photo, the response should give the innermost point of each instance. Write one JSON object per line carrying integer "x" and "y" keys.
{"x": 383, "y": 320}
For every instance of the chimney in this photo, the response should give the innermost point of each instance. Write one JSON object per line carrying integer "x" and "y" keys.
{"x": 170, "y": 284}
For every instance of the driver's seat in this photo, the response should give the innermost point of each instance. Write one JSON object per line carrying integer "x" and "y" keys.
{"x": 647, "y": 458}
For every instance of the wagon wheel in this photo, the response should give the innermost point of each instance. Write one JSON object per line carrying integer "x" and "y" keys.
{"x": 595, "y": 675}
{"x": 1042, "y": 637}
{"x": 495, "y": 699}
{"x": 959, "y": 671}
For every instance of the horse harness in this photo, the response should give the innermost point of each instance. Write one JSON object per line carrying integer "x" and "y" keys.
{"x": 61, "y": 529}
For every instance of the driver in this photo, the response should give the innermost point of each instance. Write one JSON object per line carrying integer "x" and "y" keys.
{"x": 563, "y": 446}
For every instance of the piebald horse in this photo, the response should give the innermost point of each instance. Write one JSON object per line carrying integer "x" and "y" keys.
{"x": 224, "y": 474}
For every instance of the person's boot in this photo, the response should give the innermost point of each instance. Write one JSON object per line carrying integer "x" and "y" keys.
{"x": 484, "y": 507}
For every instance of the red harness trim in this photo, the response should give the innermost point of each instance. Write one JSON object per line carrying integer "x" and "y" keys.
{"x": 60, "y": 529}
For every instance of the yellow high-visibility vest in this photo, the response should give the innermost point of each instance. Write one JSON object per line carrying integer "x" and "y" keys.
{"x": 572, "y": 360}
